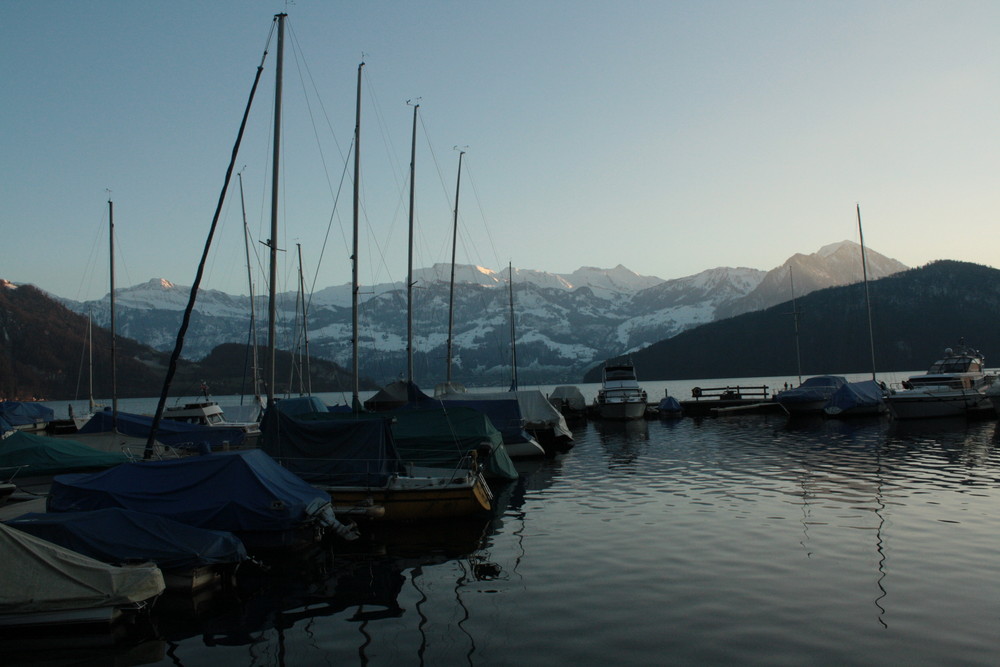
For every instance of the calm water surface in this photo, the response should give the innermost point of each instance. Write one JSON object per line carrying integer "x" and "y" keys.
{"x": 741, "y": 540}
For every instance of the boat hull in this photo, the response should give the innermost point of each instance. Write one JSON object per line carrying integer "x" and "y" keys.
{"x": 406, "y": 499}
{"x": 621, "y": 411}
{"x": 927, "y": 405}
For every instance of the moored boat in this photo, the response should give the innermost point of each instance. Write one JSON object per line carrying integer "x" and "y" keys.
{"x": 855, "y": 399}
{"x": 955, "y": 385}
{"x": 51, "y": 587}
{"x": 245, "y": 492}
{"x": 810, "y": 397}
{"x": 354, "y": 457}
{"x": 620, "y": 397}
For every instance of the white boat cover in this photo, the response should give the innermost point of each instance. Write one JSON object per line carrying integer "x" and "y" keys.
{"x": 42, "y": 577}
{"x": 536, "y": 410}
{"x": 569, "y": 395}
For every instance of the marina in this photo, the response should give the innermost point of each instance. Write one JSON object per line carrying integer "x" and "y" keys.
{"x": 746, "y": 539}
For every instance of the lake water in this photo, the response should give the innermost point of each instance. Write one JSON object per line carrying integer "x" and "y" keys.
{"x": 738, "y": 540}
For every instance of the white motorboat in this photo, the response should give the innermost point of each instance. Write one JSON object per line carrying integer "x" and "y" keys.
{"x": 955, "y": 385}
{"x": 620, "y": 396}
{"x": 206, "y": 412}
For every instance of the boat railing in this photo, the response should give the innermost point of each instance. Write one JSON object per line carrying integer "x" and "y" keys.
{"x": 728, "y": 392}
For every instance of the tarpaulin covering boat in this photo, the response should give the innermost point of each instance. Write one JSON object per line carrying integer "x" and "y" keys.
{"x": 41, "y": 455}
{"x": 43, "y": 577}
{"x": 857, "y": 398}
{"x": 118, "y": 536}
{"x": 244, "y": 492}
{"x": 169, "y": 432}
{"x": 25, "y": 414}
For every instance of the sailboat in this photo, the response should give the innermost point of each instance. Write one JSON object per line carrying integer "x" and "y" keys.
{"x": 531, "y": 426}
{"x": 811, "y": 396}
{"x": 353, "y": 455}
{"x": 866, "y": 397}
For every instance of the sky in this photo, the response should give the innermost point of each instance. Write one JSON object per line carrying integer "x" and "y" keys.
{"x": 670, "y": 137}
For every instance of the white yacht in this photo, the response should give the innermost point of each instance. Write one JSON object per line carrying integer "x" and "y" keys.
{"x": 620, "y": 396}
{"x": 955, "y": 385}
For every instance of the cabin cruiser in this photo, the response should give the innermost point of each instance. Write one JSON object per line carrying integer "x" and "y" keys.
{"x": 620, "y": 396}
{"x": 209, "y": 413}
{"x": 955, "y": 385}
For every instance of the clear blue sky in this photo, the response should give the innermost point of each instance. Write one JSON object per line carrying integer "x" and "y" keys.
{"x": 670, "y": 137}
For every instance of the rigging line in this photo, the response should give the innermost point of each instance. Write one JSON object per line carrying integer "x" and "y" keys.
{"x": 329, "y": 225}
{"x": 172, "y": 367}
{"x": 482, "y": 212}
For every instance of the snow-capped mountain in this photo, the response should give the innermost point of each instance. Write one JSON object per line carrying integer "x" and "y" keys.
{"x": 564, "y": 323}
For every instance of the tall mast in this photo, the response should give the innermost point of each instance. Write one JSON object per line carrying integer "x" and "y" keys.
{"x": 273, "y": 241}
{"x": 795, "y": 315}
{"x": 114, "y": 330}
{"x": 409, "y": 255}
{"x": 90, "y": 359}
{"x": 513, "y": 340}
{"x": 451, "y": 292}
{"x": 305, "y": 329}
{"x": 355, "y": 401}
{"x": 255, "y": 370}
{"x": 868, "y": 303}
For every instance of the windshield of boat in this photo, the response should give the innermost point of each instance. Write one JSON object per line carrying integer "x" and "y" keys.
{"x": 956, "y": 365}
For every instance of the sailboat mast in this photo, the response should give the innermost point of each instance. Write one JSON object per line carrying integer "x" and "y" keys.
{"x": 255, "y": 369}
{"x": 273, "y": 242}
{"x": 305, "y": 329}
{"x": 451, "y": 291}
{"x": 868, "y": 303}
{"x": 114, "y": 330}
{"x": 795, "y": 315}
{"x": 355, "y": 401}
{"x": 513, "y": 338}
{"x": 409, "y": 254}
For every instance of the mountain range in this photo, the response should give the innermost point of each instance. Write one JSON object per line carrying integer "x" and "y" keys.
{"x": 563, "y": 324}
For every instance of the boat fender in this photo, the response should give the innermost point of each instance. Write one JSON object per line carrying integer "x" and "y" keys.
{"x": 696, "y": 392}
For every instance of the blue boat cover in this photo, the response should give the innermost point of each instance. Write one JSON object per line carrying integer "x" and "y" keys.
{"x": 321, "y": 447}
{"x": 854, "y": 396}
{"x": 242, "y": 492}
{"x": 42, "y": 455}
{"x": 119, "y": 536}
{"x": 25, "y": 413}
{"x": 171, "y": 432}
{"x": 669, "y": 405}
{"x": 813, "y": 389}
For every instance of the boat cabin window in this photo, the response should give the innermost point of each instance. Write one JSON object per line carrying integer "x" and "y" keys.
{"x": 956, "y": 365}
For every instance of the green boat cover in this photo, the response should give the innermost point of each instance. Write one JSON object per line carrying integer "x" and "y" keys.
{"x": 43, "y": 455}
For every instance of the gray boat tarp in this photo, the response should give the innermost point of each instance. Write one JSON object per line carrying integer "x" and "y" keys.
{"x": 118, "y": 536}
{"x": 853, "y": 396}
{"x": 42, "y": 455}
{"x": 43, "y": 577}
{"x": 569, "y": 396}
